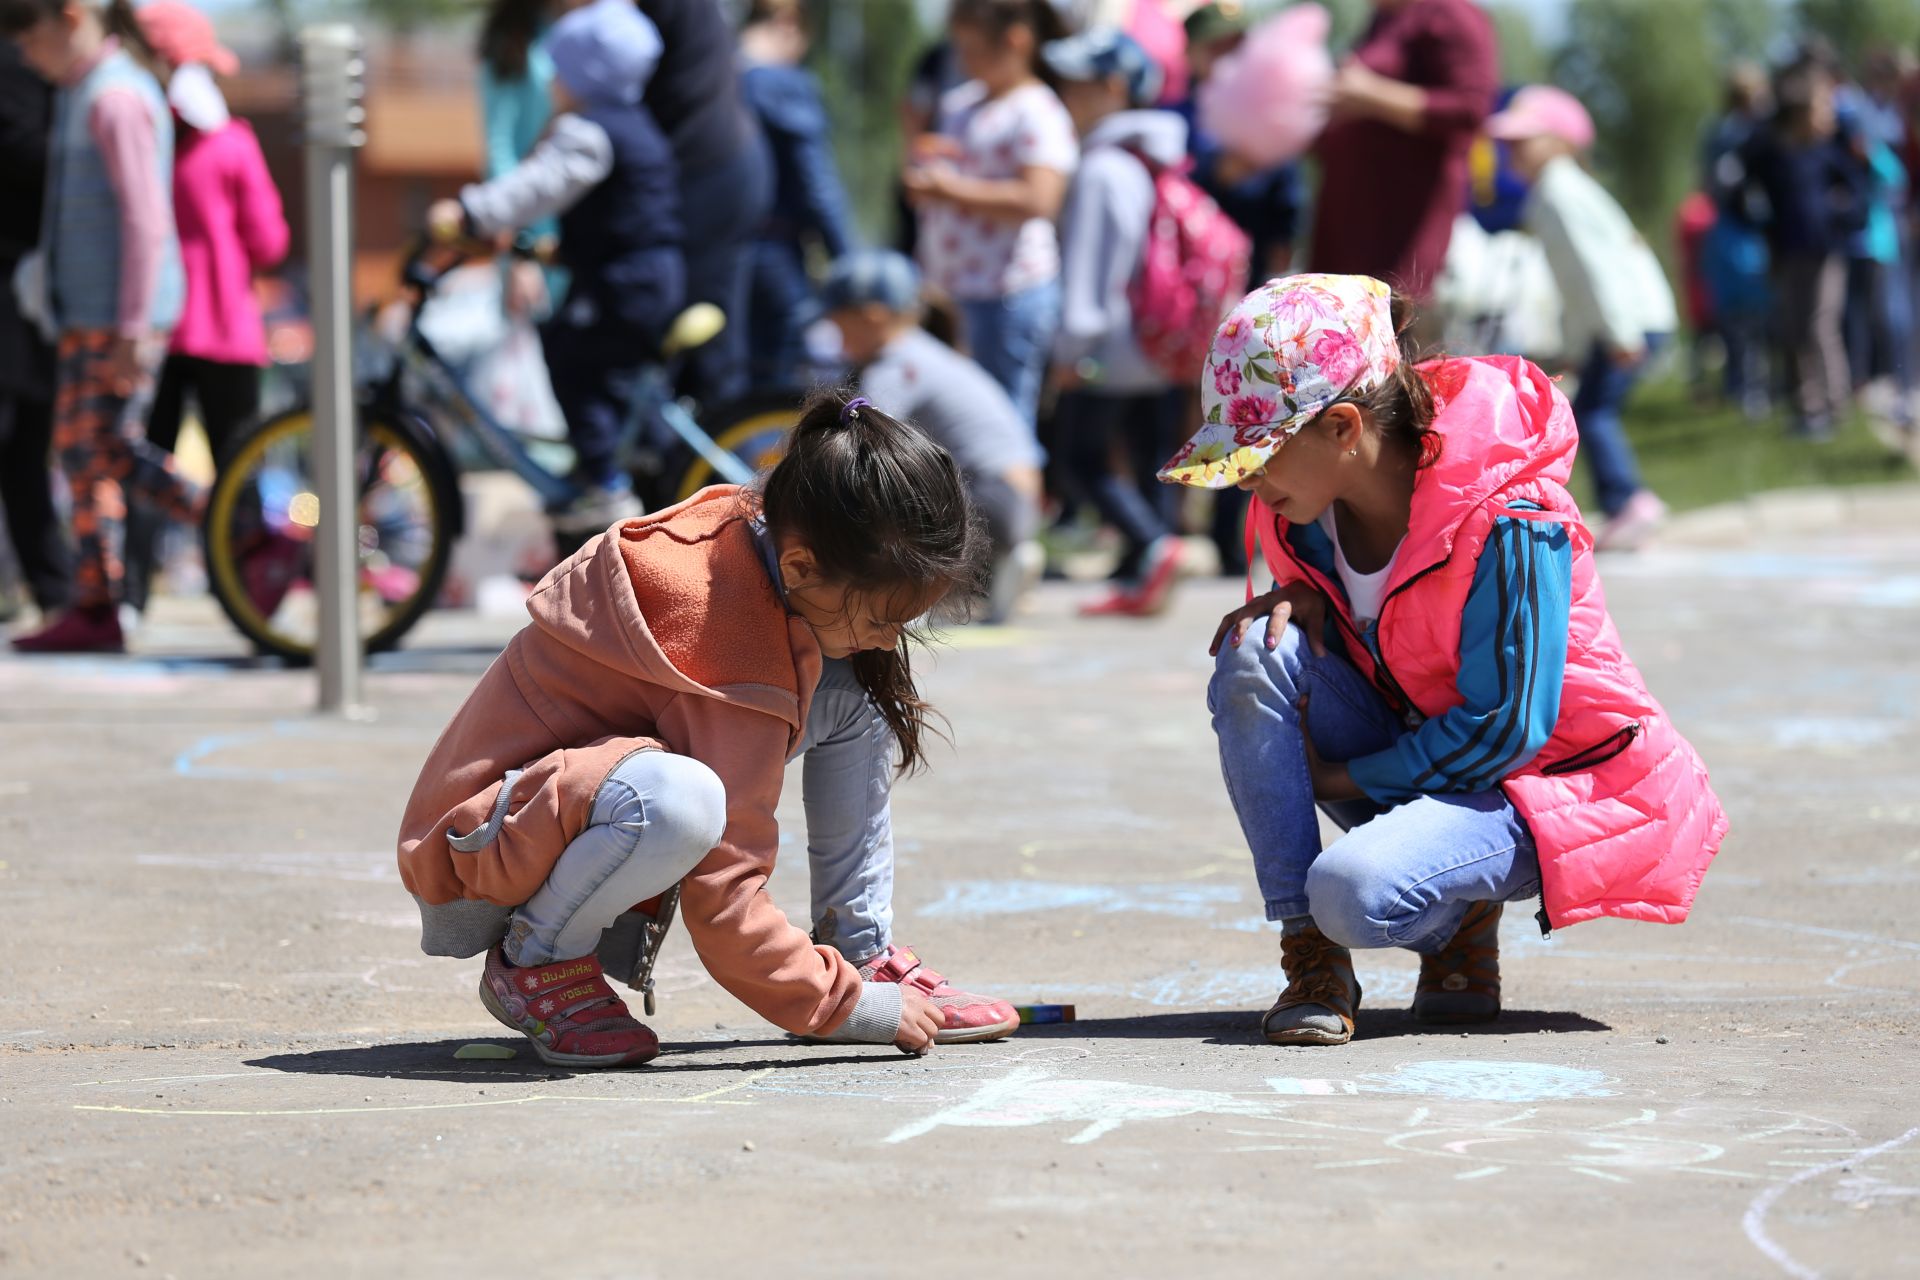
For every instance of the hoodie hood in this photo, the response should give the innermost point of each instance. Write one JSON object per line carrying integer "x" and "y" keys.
{"x": 681, "y": 598}
{"x": 1504, "y": 427}
{"x": 1160, "y": 136}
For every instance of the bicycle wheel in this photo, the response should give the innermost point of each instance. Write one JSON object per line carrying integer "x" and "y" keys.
{"x": 261, "y": 519}
{"x": 753, "y": 430}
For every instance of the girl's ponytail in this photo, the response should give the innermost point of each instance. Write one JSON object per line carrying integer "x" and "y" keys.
{"x": 882, "y": 507}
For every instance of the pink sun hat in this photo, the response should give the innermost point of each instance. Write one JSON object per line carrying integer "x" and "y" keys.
{"x": 181, "y": 34}
{"x": 1541, "y": 109}
{"x": 1291, "y": 348}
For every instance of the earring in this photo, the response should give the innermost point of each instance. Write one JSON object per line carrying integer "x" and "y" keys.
{"x": 1353, "y": 453}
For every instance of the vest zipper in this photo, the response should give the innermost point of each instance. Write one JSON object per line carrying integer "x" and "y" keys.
{"x": 1384, "y": 673}
{"x": 1597, "y": 754}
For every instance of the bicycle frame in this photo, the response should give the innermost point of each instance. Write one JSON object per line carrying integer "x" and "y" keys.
{"x": 652, "y": 397}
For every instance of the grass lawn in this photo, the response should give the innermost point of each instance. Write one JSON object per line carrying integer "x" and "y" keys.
{"x": 1696, "y": 456}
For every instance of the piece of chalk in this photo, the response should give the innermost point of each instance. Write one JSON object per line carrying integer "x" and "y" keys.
{"x": 1040, "y": 1013}
{"x": 489, "y": 1052}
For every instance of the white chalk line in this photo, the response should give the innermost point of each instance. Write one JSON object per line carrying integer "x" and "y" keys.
{"x": 711, "y": 1096}
{"x": 1754, "y": 1221}
{"x": 1847, "y": 935}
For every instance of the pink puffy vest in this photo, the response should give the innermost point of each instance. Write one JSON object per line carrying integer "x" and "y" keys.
{"x": 1618, "y": 802}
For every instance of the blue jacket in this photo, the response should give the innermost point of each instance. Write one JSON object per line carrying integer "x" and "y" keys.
{"x": 1513, "y": 658}
{"x": 808, "y": 196}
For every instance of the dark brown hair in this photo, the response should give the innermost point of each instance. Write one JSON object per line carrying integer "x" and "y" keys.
{"x": 507, "y": 35}
{"x": 998, "y": 17}
{"x": 19, "y": 16}
{"x": 1402, "y": 407}
{"x": 882, "y": 507}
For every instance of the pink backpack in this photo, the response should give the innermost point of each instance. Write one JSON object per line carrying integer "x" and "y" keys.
{"x": 1192, "y": 272}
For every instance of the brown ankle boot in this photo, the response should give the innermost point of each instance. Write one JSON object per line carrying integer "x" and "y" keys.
{"x": 1462, "y": 983}
{"x": 1322, "y": 993}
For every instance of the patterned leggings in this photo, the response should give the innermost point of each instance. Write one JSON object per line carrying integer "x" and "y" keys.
{"x": 99, "y": 439}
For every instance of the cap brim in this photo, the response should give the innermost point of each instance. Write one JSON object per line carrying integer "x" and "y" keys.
{"x": 1214, "y": 459}
{"x": 1511, "y": 127}
{"x": 1072, "y": 65}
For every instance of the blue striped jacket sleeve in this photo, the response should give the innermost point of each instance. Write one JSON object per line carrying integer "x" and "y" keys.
{"x": 1513, "y": 658}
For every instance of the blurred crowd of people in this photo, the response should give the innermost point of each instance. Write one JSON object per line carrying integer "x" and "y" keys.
{"x": 1799, "y": 247}
{"x": 1085, "y": 187}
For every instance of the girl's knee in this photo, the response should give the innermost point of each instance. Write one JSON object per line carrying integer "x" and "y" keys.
{"x": 679, "y": 804}
{"x": 1251, "y": 671}
{"x": 1350, "y": 901}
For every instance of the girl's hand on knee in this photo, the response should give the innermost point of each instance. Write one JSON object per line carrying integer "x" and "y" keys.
{"x": 1295, "y": 602}
{"x": 920, "y": 1022}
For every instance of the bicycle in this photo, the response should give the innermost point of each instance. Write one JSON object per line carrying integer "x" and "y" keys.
{"x": 417, "y": 422}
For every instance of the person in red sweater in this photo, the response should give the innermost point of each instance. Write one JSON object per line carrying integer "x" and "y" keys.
{"x": 1406, "y": 107}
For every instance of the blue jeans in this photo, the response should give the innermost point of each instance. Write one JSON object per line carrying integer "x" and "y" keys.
{"x": 1011, "y": 338}
{"x": 846, "y": 785}
{"x": 657, "y": 815}
{"x": 1604, "y": 388}
{"x": 1401, "y": 876}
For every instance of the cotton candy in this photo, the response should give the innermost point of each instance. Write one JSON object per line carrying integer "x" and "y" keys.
{"x": 1266, "y": 101}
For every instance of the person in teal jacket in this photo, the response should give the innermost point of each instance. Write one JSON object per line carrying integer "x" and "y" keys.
{"x": 515, "y": 72}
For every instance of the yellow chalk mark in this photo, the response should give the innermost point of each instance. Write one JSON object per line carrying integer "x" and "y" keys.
{"x": 714, "y": 1096}
{"x": 986, "y": 637}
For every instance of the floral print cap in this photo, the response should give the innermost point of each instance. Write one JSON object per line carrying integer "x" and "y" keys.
{"x": 1291, "y": 348}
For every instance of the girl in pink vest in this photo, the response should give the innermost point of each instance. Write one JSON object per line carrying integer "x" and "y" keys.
{"x": 1451, "y": 690}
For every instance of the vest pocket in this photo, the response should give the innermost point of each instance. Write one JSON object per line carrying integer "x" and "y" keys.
{"x": 1597, "y": 754}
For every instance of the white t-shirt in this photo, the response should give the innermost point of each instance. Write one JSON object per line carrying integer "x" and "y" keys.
{"x": 973, "y": 258}
{"x": 1364, "y": 590}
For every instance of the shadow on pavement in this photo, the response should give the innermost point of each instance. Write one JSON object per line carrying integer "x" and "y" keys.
{"x": 1243, "y": 1026}
{"x": 1384, "y": 1024}
{"x": 434, "y": 1060}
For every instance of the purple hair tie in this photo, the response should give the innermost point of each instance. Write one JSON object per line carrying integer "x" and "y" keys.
{"x": 854, "y": 406}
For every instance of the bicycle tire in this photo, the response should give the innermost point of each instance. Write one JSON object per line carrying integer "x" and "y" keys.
{"x": 753, "y": 429}
{"x": 222, "y": 535}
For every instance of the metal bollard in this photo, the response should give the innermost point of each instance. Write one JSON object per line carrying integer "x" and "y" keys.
{"x": 331, "y": 73}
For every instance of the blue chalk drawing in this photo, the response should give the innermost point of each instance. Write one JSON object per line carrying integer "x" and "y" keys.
{"x": 1462, "y": 1081}
{"x": 1028, "y": 1096}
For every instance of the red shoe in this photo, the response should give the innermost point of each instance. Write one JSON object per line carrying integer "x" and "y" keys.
{"x": 1160, "y": 570}
{"x": 270, "y": 569}
{"x": 567, "y": 1010}
{"x": 1158, "y": 574}
{"x": 86, "y": 629}
{"x": 966, "y": 1017}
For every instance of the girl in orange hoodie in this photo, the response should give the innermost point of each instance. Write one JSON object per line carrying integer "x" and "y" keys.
{"x": 635, "y": 737}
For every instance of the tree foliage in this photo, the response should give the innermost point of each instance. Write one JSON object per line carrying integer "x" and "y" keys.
{"x": 1856, "y": 27}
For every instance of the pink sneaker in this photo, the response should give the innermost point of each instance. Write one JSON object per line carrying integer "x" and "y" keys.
{"x": 567, "y": 1010}
{"x": 967, "y": 1017}
{"x": 1639, "y": 520}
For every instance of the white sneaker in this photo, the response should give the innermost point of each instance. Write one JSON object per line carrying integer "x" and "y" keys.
{"x": 596, "y": 509}
{"x": 1638, "y": 521}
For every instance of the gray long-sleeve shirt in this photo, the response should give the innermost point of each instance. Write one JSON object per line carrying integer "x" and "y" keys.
{"x": 574, "y": 157}
{"x": 1103, "y": 235}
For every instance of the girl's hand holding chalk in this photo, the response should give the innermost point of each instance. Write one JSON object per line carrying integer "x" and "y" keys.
{"x": 920, "y": 1022}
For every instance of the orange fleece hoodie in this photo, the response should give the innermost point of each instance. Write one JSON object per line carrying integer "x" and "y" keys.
{"x": 664, "y": 633}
